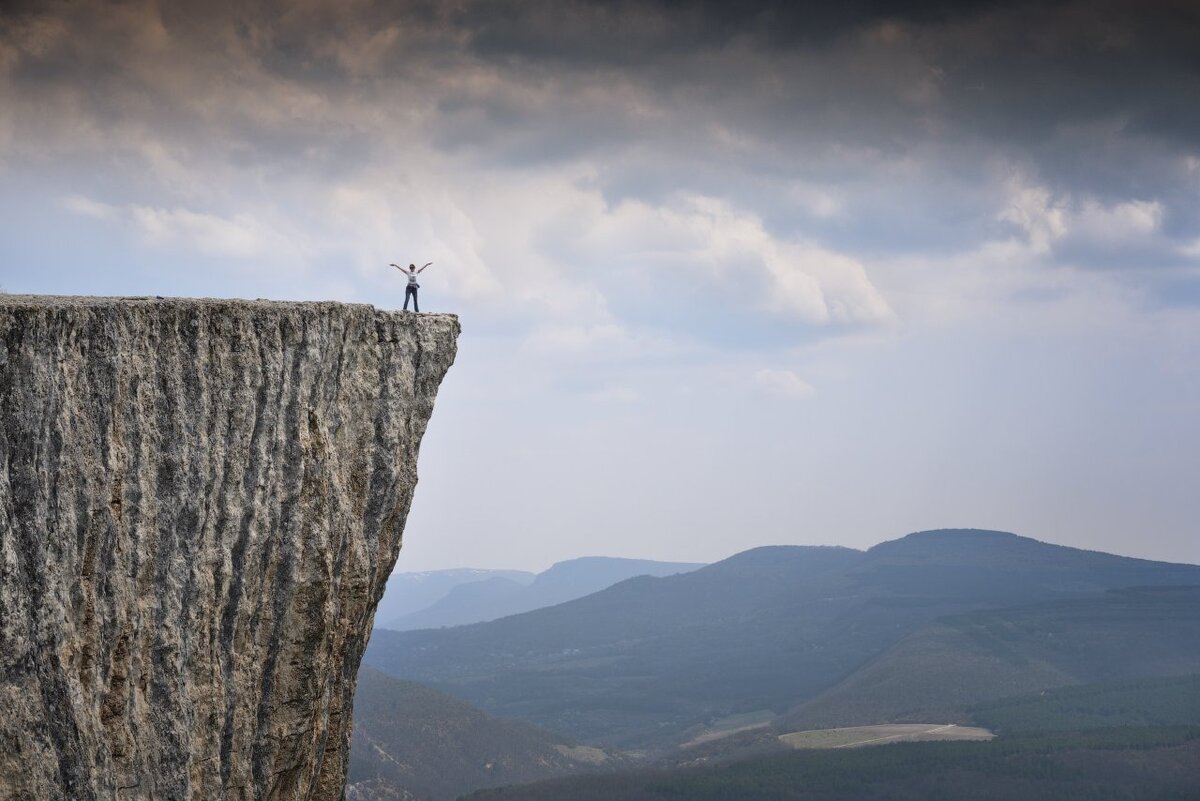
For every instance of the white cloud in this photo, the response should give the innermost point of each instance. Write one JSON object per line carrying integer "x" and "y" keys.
{"x": 1023, "y": 277}
{"x": 241, "y": 236}
{"x": 1119, "y": 222}
{"x": 567, "y": 339}
{"x": 614, "y": 394}
{"x": 1048, "y": 219}
{"x": 706, "y": 238}
{"x": 545, "y": 247}
{"x": 412, "y": 221}
{"x": 821, "y": 202}
{"x": 1040, "y": 215}
{"x": 90, "y": 208}
{"x": 784, "y": 383}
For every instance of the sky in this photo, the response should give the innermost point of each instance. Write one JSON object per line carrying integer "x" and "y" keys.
{"x": 728, "y": 274}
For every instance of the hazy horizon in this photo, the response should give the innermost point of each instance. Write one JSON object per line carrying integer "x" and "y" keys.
{"x": 764, "y": 273}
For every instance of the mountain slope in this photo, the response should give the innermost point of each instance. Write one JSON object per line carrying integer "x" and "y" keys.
{"x": 564, "y": 581}
{"x": 943, "y": 669}
{"x": 639, "y": 663}
{"x": 1170, "y": 701}
{"x": 413, "y": 742}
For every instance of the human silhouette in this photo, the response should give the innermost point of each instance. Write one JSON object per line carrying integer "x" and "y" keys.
{"x": 411, "y": 289}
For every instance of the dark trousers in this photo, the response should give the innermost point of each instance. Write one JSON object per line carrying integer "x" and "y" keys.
{"x": 411, "y": 291}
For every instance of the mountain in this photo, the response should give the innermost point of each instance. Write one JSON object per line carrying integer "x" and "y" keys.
{"x": 499, "y": 596}
{"x": 644, "y": 661}
{"x": 414, "y": 743}
{"x": 411, "y": 592}
{"x": 940, "y": 671}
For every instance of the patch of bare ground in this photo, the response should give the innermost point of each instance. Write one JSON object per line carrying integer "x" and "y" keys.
{"x": 878, "y": 735}
{"x": 583, "y": 753}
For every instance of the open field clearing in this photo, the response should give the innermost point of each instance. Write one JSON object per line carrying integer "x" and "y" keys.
{"x": 878, "y": 735}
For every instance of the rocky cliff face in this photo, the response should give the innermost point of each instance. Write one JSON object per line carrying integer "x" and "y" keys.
{"x": 200, "y": 502}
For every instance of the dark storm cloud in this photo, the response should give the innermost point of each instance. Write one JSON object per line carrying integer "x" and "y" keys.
{"x": 639, "y": 31}
{"x": 877, "y": 127}
{"x": 1095, "y": 98}
{"x": 1019, "y": 76}
{"x": 1098, "y": 97}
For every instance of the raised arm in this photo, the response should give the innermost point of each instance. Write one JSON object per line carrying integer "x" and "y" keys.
{"x": 423, "y": 266}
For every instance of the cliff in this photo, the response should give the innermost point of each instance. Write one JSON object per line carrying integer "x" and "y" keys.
{"x": 200, "y": 503}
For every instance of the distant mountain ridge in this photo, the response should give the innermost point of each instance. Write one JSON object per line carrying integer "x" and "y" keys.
{"x": 646, "y": 659}
{"x": 979, "y": 562}
{"x": 410, "y": 592}
{"x": 498, "y": 595}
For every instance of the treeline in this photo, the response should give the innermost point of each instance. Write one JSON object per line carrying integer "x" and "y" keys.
{"x": 1119, "y": 764}
{"x": 1174, "y": 700}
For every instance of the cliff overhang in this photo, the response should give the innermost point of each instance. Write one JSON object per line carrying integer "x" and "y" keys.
{"x": 200, "y": 503}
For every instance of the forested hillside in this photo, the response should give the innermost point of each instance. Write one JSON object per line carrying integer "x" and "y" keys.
{"x": 411, "y": 742}
{"x": 942, "y": 670}
{"x": 1149, "y": 764}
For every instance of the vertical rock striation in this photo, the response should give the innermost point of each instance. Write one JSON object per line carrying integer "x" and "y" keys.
{"x": 200, "y": 501}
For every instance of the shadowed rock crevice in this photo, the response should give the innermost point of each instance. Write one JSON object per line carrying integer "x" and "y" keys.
{"x": 200, "y": 502}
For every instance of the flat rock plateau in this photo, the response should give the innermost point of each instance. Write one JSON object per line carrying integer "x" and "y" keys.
{"x": 200, "y": 502}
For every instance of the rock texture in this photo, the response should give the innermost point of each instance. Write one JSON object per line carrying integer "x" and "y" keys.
{"x": 200, "y": 502}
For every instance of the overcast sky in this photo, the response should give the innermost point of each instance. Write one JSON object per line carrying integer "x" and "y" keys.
{"x": 805, "y": 272}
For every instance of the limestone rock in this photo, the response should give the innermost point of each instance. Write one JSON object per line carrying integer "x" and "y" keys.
{"x": 200, "y": 502}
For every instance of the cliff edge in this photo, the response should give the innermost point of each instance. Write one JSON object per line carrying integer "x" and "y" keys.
{"x": 200, "y": 503}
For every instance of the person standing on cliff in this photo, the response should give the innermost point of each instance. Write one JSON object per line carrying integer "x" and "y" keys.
{"x": 411, "y": 290}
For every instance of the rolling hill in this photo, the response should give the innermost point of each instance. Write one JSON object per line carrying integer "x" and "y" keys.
{"x": 644, "y": 661}
{"x": 411, "y": 742}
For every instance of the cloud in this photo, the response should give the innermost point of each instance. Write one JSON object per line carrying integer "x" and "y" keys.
{"x": 1086, "y": 232}
{"x": 91, "y": 208}
{"x": 239, "y": 237}
{"x": 1041, "y": 217}
{"x": 761, "y": 162}
{"x": 1123, "y": 221}
{"x": 614, "y": 394}
{"x": 569, "y": 339}
{"x": 783, "y": 383}
{"x": 723, "y": 253}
